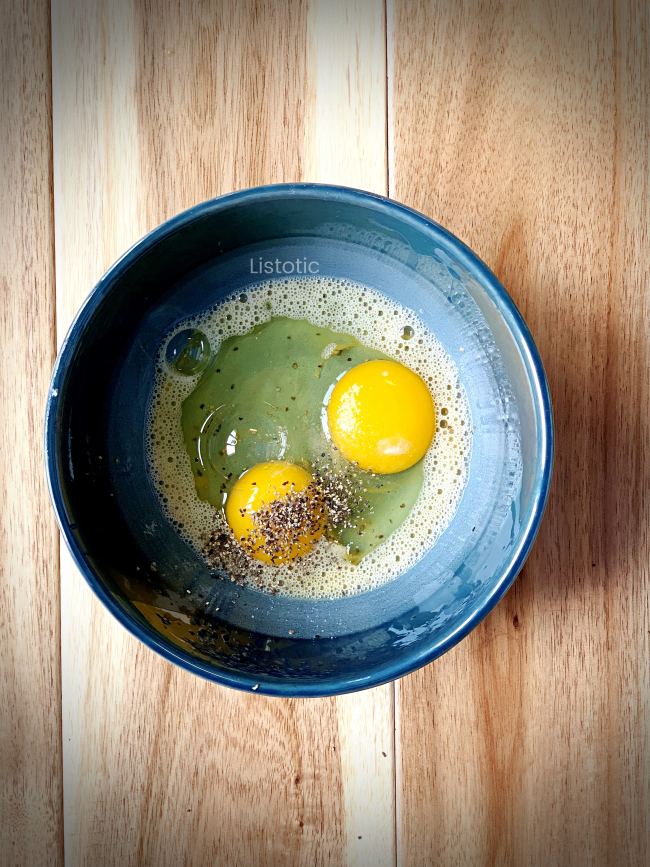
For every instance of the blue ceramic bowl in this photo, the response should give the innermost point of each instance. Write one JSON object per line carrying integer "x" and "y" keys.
{"x": 157, "y": 586}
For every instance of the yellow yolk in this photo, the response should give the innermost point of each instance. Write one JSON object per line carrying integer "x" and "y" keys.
{"x": 381, "y": 416}
{"x": 271, "y": 490}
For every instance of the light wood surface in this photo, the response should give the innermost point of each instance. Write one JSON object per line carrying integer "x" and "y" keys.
{"x": 190, "y": 103}
{"x": 524, "y": 128}
{"x": 31, "y": 830}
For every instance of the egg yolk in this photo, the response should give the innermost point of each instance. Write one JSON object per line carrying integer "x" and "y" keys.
{"x": 381, "y": 416}
{"x": 275, "y": 512}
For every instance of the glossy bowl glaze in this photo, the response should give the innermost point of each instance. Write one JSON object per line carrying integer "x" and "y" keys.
{"x": 110, "y": 515}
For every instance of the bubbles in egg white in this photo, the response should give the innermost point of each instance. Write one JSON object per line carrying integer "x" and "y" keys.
{"x": 377, "y": 322}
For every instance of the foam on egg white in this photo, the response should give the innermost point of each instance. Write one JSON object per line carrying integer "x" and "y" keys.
{"x": 375, "y": 321}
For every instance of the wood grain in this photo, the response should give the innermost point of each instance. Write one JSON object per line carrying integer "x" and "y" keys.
{"x": 524, "y": 128}
{"x": 30, "y": 745}
{"x": 158, "y": 106}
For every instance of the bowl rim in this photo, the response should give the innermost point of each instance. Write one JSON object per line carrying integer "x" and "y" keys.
{"x": 409, "y": 662}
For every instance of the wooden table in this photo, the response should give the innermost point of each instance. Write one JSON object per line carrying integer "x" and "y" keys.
{"x": 524, "y": 128}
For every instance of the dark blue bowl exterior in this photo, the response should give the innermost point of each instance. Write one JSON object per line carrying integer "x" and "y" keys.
{"x": 58, "y": 445}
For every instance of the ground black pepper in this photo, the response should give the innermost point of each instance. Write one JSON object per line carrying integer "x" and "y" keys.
{"x": 334, "y": 499}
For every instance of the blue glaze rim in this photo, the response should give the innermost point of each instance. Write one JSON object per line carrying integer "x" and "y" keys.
{"x": 541, "y": 398}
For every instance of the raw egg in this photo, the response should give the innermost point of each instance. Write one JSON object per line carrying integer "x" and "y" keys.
{"x": 326, "y": 385}
{"x": 275, "y": 511}
{"x": 381, "y": 416}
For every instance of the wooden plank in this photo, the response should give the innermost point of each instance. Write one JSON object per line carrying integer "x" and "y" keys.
{"x": 344, "y": 142}
{"x": 157, "y": 106}
{"x": 30, "y": 749}
{"x": 524, "y": 128}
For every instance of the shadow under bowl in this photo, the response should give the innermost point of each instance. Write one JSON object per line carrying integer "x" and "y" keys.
{"x": 110, "y": 514}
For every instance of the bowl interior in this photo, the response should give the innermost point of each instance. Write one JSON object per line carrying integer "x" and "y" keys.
{"x": 155, "y": 583}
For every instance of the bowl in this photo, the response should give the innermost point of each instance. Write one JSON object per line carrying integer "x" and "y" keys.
{"x": 156, "y": 585}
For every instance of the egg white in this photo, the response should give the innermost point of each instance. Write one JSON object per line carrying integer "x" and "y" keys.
{"x": 376, "y": 321}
